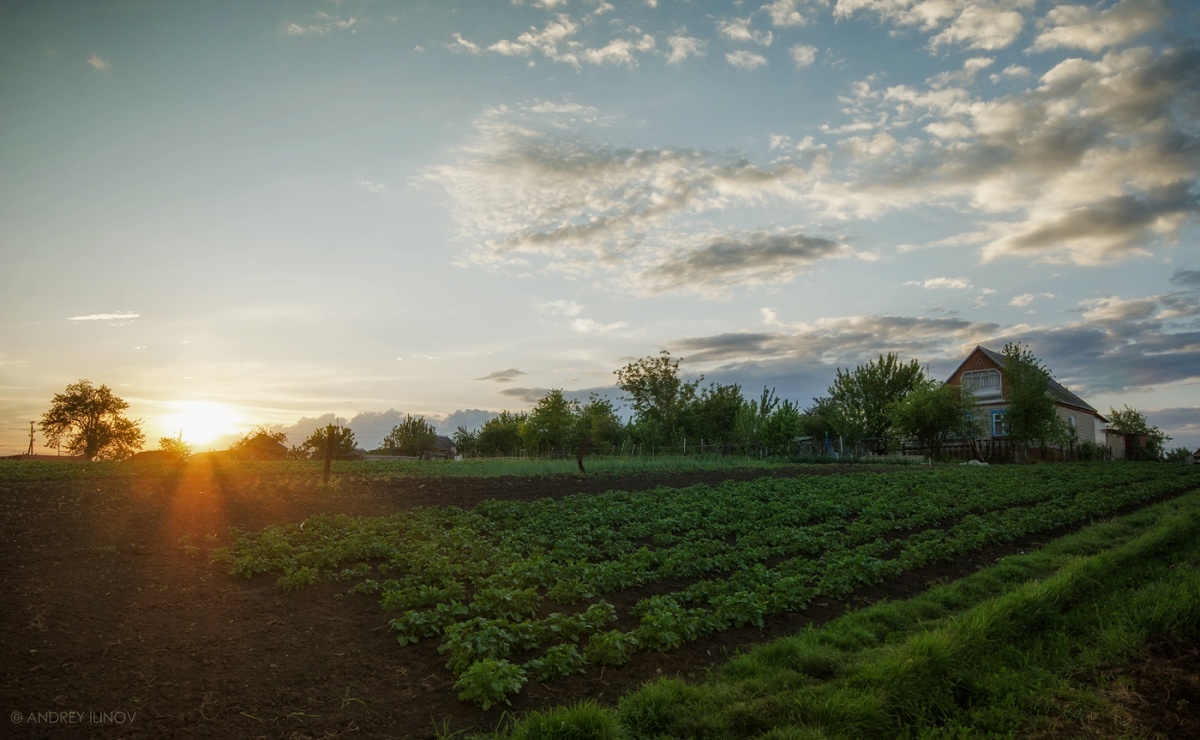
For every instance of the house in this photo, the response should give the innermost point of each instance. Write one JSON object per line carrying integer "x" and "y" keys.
{"x": 981, "y": 374}
{"x": 260, "y": 447}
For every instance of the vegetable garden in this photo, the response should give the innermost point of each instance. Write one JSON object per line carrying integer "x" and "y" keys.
{"x": 514, "y": 592}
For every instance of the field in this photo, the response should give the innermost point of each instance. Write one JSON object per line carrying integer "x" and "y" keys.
{"x": 214, "y": 600}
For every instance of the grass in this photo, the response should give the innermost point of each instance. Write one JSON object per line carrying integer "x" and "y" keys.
{"x": 17, "y": 470}
{"x": 994, "y": 654}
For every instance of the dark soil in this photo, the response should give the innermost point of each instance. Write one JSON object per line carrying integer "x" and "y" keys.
{"x": 116, "y": 624}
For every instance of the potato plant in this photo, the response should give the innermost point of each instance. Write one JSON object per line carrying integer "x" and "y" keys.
{"x": 514, "y": 590}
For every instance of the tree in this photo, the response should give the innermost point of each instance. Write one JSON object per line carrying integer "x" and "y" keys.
{"x": 862, "y": 397}
{"x": 750, "y": 417}
{"x": 1132, "y": 421}
{"x": 177, "y": 449}
{"x": 344, "y": 445}
{"x": 598, "y": 423}
{"x": 819, "y": 421}
{"x": 413, "y": 436}
{"x": 552, "y": 425}
{"x": 713, "y": 415}
{"x": 782, "y": 427}
{"x": 658, "y": 396}
{"x": 91, "y": 421}
{"x": 1030, "y": 415}
{"x": 934, "y": 411}
{"x": 501, "y": 435}
{"x": 465, "y": 441}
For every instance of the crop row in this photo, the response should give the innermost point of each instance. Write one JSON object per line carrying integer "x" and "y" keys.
{"x": 516, "y": 591}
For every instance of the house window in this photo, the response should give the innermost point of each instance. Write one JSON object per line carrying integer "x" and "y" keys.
{"x": 983, "y": 383}
{"x": 999, "y": 428}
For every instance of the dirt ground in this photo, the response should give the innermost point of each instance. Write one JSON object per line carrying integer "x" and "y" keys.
{"x": 116, "y": 624}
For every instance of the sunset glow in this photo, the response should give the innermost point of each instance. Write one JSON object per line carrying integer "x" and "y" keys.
{"x": 201, "y": 422}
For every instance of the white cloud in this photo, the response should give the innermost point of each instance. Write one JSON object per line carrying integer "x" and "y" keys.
{"x": 533, "y": 187}
{"x": 118, "y": 316}
{"x": 322, "y": 24}
{"x": 561, "y": 308}
{"x": 95, "y": 61}
{"x": 1022, "y": 300}
{"x": 1089, "y": 28}
{"x": 683, "y": 47}
{"x": 462, "y": 45}
{"x": 942, "y": 283}
{"x": 588, "y": 326}
{"x": 803, "y": 55}
{"x": 785, "y": 13}
{"x": 987, "y": 27}
{"x": 746, "y": 59}
{"x": 619, "y": 52}
{"x": 738, "y": 30}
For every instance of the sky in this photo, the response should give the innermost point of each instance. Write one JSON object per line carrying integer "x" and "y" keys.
{"x": 285, "y": 211}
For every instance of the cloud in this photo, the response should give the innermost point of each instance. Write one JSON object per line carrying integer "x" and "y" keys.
{"x": 1186, "y": 278}
{"x": 738, "y": 30}
{"x": 746, "y": 59}
{"x": 942, "y": 283}
{"x": 1089, "y": 28}
{"x": 1091, "y": 164}
{"x": 1114, "y": 309}
{"x": 803, "y": 55}
{"x": 1022, "y": 300}
{"x": 545, "y": 41}
{"x": 322, "y": 24}
{"x": 740, "y": 260}
{"x": 683, "y": 47}
{"x": 503, "y": 376}
{"x": 461, "y": 45}
{"x": 95, "y": 61}
{"x": 525, "y": 395}
{"x": 619, "y": 52}
{"x": 785, "y": 13}
{"x": 986, "y": 27}
{"x": 561, "y": 308}
{"x": 588, "y": 326}
{"x": 119, "y": 316}
{"x": 535, "y": 185}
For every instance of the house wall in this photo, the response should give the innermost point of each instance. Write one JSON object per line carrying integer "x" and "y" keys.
{"x": 1085, "y": 423}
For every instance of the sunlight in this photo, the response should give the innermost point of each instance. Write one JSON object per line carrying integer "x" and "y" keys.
{"x": 201, "y": 421}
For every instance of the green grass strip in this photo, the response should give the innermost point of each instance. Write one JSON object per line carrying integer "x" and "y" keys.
{"x": 989, "y": 655}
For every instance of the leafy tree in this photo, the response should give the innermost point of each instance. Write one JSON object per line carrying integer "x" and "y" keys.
{"x": 465, "y": 441}
{"x": 820, "y": 420}
{"x": 782, "y": 427}
{"x": 862, "y": 397}
{"x": 344, "y": 445}
{"x": 413, "y": 436}
{"x": 501, "y": 435}
{"x": 932, "y": 412}
{"x": 1030, "y": 415}
{"x": 91, "y": 421}
{"x": 750, "y": 417}
{"x": 1132, "y": 421}
{"x": 1179, "y": 455}
{"x": 658, "y": 395}
{"x": 713, "y": 415}
{"x": 176, "y": 448}
{"x": 598, "y": 423}
{"x": 553, "y": 423}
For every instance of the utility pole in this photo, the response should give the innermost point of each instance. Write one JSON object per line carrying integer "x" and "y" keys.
{"x": 30, "y": 452}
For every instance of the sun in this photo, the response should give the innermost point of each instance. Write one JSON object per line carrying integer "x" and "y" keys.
{"x": 201, "y": 422}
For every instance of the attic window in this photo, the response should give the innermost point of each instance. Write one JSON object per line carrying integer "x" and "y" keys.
{"x": 983, "y": 383}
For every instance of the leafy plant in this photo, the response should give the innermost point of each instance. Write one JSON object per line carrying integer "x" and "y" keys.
{"x": 487, "y": 682}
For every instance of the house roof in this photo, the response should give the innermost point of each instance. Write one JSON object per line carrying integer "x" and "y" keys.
{"x": 1056, "y": 390}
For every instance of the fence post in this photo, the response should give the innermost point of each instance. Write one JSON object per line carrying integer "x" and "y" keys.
{"x": 328, "y": 452}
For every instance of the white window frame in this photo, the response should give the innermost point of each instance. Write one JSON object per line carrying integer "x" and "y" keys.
{"x": 983, "y": 383}
{"x": 998, "y": 423}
